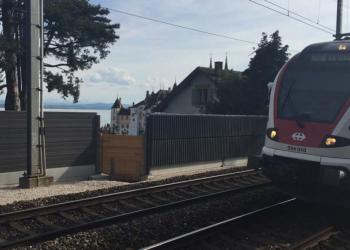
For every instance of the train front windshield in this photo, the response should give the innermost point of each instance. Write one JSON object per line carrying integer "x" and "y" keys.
{"x": 314, "y": 91}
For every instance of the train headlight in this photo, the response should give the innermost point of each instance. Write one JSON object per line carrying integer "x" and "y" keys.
{"x": 272, "y": 133}
{"x": 330, "y": 141}
{"x": 342, "y": 174}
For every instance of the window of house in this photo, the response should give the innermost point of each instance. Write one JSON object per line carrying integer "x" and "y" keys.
{"x": 200, "y": 96}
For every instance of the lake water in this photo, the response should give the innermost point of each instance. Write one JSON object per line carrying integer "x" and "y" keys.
{"x": 105, "y": 114}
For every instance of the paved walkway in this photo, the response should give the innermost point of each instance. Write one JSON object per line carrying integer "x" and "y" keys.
{"x": 190, "y": 169}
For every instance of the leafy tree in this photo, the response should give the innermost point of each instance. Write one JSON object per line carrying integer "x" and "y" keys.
{"x": 77, "y": 35}
{"x": 11, "y": 20}
{"x": 269, "y": 57}
{"x": 229, "y": 95}
{"x": 247, "y": 94}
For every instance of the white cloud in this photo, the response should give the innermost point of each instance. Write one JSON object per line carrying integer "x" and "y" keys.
{"x": 111, "y": 76}
{"x": 154, "y": 83}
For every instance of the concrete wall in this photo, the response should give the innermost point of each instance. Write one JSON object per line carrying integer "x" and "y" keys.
{"x": 61, "y": 174}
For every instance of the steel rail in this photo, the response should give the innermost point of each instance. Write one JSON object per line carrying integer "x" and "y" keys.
{"x": 107, "y": 220}
{"x": 182, "y": 240}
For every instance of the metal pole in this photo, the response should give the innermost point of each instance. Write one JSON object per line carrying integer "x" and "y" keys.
{"x": 35, "y": 149}
{"x": 41, "y": 106}
{"x": 338, "y": 34}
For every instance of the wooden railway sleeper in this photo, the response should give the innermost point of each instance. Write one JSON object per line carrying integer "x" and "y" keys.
{"x": 160, "y": 198}
{"x": 230, "y": 183}
{"x": 68, "y": 216}
{"x": 91, "y": 213}
{"x": 129, "y": 205}
{"x": 202, "y": 190}
{"x": 19, "y": 227}
{"x": 148, "y": 202}
{"x": 245, "y": 182}
{"x": 211, "y": 187}
{"x": 176, "y": 195}
{"x": 187, "y": 192}
{"x": 221, "y": 185}
{"x": 48, "y": 223}
{"x": 112, "y": 209}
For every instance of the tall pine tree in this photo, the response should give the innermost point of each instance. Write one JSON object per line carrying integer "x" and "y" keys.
{"x": 77, "y": 35}
{"x": 270, "y": 56}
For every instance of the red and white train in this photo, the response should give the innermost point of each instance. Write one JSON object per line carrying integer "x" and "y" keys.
{"x": 307, "y": 144}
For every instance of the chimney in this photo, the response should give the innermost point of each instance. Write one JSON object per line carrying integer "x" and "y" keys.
{"x": 147, "y": 94}
{"x": 218, "y": 66}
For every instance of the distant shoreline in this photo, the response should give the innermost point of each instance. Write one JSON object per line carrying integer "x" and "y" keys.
{"x": 92, "y": 106}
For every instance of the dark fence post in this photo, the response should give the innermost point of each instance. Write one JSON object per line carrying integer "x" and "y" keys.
{"x": 148, "y": 144}
{"x": 98, "y": 144}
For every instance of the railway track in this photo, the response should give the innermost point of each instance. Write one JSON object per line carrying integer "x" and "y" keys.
{"x": 44, "y": 223}
{"x": 201, "y": 238}
{"x": 290, "y": 224}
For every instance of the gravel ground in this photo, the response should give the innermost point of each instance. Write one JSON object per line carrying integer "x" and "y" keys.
{"x": 16, "y": 199}
{"x": 148, "y": 230}
{"x": 10, "y": 195}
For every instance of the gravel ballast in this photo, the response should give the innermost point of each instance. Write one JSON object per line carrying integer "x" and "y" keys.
{"x": 17, "y": 199}
{"x": 148, "y": 230}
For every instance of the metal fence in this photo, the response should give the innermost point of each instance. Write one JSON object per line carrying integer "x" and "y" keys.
{"x": 71, "y": 139}
{"x": 177, "y": 139}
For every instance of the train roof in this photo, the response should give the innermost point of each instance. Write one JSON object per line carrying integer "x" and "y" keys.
{"x": 333, "y": 46}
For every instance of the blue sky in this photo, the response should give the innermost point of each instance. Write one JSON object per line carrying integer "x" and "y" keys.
{"x": 149, "y": 55}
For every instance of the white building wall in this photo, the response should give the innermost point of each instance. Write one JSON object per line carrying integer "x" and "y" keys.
{"x": 134, "y": 121}
{"x": 182, "y": 103}
{"x": 137, "y": 121}
{"x": 114, "y": 117}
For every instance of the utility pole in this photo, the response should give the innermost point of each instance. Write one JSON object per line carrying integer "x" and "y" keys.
{"x": 36, "y": 157}
{"x": 338, "y": 34}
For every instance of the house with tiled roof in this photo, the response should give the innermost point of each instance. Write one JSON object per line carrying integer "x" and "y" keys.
{"x": 191, "y": 96}
{"x": 197, "y": 90}
{"x": 139, "y": 111}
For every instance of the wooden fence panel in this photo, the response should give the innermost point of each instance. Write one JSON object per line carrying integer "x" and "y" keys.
{"x": 122, "y": 157}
